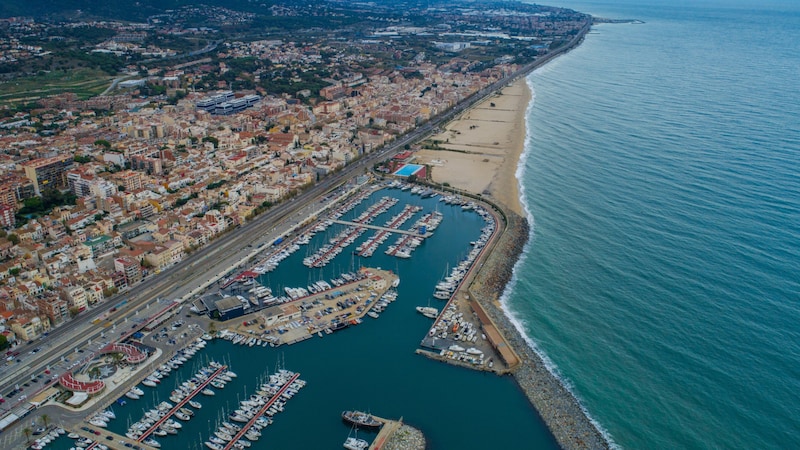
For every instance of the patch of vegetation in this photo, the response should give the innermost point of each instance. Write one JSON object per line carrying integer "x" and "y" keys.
{"x": 84, "y": 83}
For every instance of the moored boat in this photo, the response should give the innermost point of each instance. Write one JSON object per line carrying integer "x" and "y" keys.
{"x": 361, "y": 419}
{"x": 355, "y": 444}
{"x": 428, "y": 311}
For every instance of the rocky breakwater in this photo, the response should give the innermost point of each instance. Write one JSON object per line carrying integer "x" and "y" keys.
{"x": 558, "y": 407}
{"x": 405, "y": 438}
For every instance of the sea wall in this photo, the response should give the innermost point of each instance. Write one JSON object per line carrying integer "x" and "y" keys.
{"x": 556, "y": 405}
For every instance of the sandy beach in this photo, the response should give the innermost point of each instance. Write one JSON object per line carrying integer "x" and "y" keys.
{"x": 479, "y": 150}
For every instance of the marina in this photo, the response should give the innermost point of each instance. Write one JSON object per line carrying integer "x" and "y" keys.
{"x": 166, "y": 411}
{"x": 389, "y": 336}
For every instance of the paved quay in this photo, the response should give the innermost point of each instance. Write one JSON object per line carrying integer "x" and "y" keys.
{"x": 557, "y": 406}
{"x": 320, "y": 313}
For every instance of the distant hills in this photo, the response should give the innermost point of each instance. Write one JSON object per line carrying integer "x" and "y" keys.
{"x": 134, "y": 10}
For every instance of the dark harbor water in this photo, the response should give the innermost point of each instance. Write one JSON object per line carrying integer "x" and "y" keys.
{"x": 371, "y": 366}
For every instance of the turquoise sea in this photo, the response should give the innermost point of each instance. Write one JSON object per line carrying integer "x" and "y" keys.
{"x": 662, "y": 176}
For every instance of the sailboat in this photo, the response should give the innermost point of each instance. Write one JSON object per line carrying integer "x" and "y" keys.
{"x": 428, "y": 311}
{"x": 354, "y": 443}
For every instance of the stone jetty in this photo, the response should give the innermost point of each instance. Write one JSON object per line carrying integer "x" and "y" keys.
{"x": 558, "y": 407}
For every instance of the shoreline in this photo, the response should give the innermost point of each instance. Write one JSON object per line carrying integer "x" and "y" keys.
{"x": 479, "y": 150}
{"x": 558, "y": 407}
{"x": 480, "y": 164}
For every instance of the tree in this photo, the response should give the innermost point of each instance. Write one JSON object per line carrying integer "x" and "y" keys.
{"x": 27, "y": 432}
{"x": 74, "y": 311}
{"x": 117, "y": 358}
{"x": 14, "y": 272}
{"x": 214, "y": 141}
{"x": 3, "y": 342}
{"x": 13, "y": 238}
{"x": 45, "y": 418}
{"x": 103, "y": 143}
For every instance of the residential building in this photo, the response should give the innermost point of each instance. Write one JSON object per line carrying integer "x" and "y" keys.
{"x": 48, "y": 173}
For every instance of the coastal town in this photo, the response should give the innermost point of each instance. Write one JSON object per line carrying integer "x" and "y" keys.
{"x": 209, "y": 134}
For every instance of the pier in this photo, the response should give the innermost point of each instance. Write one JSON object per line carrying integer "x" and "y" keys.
{"x": 183, "y": 402}
{"x": 380, "y": 228}
{"x": 371, "y": 244}
{"x": 261, "y": 411}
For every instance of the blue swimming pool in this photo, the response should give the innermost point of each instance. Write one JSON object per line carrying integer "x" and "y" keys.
{"x": 408, "y": 169}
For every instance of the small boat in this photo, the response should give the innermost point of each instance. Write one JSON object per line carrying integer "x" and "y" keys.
{"x": 98, "y": 423}
{"x": 361, "y": 419}
{"x": 195, "y": 405}
{"x": 152, "y": 443}
{"x": 428, "y": 311}
{"x": 223, "y": 435}
{"x": 355, "y": 444}
{"x": 207, "y": 391}
{"x": 132, "y": 395}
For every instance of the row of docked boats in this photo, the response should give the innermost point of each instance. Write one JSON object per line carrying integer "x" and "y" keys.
{"x": 158, "y": 420}
{"x": 255, "y": 413}
{"x": 272, "y": 261}
{"x": 42, "y": 441}
{"x": 376, "y": 209}
{"x": 381, "y": 303}
{"x": 262, "y": 340}
{"x": 348, "y": 277}
{"x": 448, "y": 285}
{"x": 422, "y": 191}
{"x": 349, "y": 205}
{"x": 368, "y": 247}
{"x": 334, "y": 247}
{"x": 346, "y": 237}
{"x": 180, "y": 358}
{"x": 406, "y": 244}
{"x": 102, "y": 418}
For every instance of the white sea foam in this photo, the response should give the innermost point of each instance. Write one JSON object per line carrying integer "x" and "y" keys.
{"x": 510, "y": 313}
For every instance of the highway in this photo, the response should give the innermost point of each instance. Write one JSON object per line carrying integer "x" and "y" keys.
{"x": 217, "y": 257}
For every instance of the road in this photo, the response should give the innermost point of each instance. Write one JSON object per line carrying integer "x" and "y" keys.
{"x": 219, "y": 256}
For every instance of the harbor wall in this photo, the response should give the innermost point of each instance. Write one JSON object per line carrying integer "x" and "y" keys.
{"x": 558, "y": 407}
